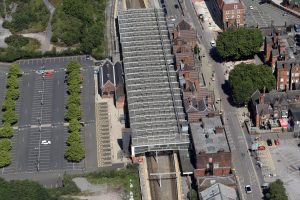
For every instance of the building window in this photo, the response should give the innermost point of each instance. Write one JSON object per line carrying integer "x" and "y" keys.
{"x": 232, "y": 17}
{"x": 238, "y": 16}
{"x": 293, "y": 74}
{"x": 227, "y": 17}
{"x": 281, "y": 80}
{"x": 227, "y": 11}
{"x": 297, "y": 74}
{"x": 216, "y": 165}
{"x": 288, "y": 73}
{"x": 235, "y": 6}
{"x": 232, "y": 12}
{"x": 238, "y": 11}
{"x": 281, "y": 86}
{"x": 238, "y": 21}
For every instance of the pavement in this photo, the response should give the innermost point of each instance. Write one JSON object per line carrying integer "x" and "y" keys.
{"x": 263, "y": 14}
{"x": 42, "y": 102}
{"x": 245, "y": 170}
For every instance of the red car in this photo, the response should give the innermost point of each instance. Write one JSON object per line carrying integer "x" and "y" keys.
{"x": 48, "y": 74}
{"x": 261, "y": 148}
{"x": 277, "y": 142}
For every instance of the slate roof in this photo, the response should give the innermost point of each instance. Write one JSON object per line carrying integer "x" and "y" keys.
{"x": 118, "y": 73}
{"x": 183, "y": 25}
{"x": 106, "y": 73}
{"x": 204, "y": 137}
{"x": 219, "y": 191}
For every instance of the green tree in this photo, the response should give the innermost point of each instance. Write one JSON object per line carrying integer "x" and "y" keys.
{"x": 12, "y": 82}
{"x": 276, "y": 191}
{"x": 74, "y": 99}
{"x": 10, "y": 117}
{"x": 6, "y": 131}
{"x": 8, "y": 104}
{"x": 15, "y": 70}
{"x": 5, "y": 158}
{"x": 5, "y": 145}
{"x": 73, "y": 112}
{"x": 12, "y": 93}
{"x": 237, "y": 43}
{"x": 74, "y": 125}
{"x": 74, "y": 138}
{"x": 75, "y": 152}
{"x": 73, "y": 66}
{"x": 244, "y": 79}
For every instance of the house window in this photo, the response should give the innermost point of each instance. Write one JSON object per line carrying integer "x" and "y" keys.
{"x": 238, "y": 21}
{"x": 238, "y": 11}
{"x": 235, "y": 6}
{"x": 293, "y": 74}
{"x": 227, "y": 17}
{"x": 232, "y": 11}
{"x": 281, "y": 86}
{"x": 216, "y": 165}
{"x": 232, "y": 17}
{"x": 297, "y": 74}
{"x": 227, "y": 12}
{"x": 281, "y": 80}
{"x": 238, "y": 16}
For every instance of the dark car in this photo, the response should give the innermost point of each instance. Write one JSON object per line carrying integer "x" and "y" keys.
{"x": 299, "y": 145}
{"x": 269, "y": 142}
{"x": 176, "y": 6}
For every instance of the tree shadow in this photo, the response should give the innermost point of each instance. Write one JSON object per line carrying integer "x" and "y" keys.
{"x": 215, "y": 55}
{"x": 227, "y": 90}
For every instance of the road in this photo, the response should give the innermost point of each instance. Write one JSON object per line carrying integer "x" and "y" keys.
{"x": 245, "y": 169}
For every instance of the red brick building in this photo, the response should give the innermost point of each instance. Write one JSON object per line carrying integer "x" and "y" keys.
{"x": 282, "y": 52}
{"x": 111, "y": 82}
{"x": 232, "y": 13}
{"x": 212, "y": 154}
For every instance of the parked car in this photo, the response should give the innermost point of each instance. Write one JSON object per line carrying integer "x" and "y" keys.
{"x": 277, "y": 142}
{"x": 251, "y": 7}
{"x": 299, "y": 145}
{"x": 261, "y": 148}
{"x": 269, "y": 142}
{"x": 248, "y": 189}
{"x": 46, "y": 142}
{"x": 213, "y": 43}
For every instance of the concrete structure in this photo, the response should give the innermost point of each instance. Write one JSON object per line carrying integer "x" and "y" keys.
{"x": 232, "y": 12}
{"x": 213, "y": 156}
{"x": 153, "y": 94}
{"x": 282, "y": 53}
{"x": 218, "y": 191}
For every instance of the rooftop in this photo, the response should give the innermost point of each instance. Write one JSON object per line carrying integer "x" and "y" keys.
{"x": 153, "y": 93}
{"x": 219, "y": 191}
{"x": 231, "y": 1}
{"x": 209, "y": 136}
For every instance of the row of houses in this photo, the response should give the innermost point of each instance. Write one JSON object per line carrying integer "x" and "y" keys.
{"x": 211, "y": 155}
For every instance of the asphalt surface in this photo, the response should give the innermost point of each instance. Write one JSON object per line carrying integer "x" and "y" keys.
{"x": 245, "y": 169}
{"x": 43, "y": 102}
{"x": 263, "y": 14}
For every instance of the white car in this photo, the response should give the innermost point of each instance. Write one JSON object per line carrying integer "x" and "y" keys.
{"x": 46, "y": 142}
{"x": 213, "y": 43}
{"x": 251, "y": 7}
{"x": 248, "y": 189}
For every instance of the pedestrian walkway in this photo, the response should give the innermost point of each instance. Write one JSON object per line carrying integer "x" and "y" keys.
{"x": 102, "y": 135}
{"x": 144, "y": 180}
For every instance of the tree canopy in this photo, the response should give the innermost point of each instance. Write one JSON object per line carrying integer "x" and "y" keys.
{"x": 237, "y": 43}
{"x": 276, "y": 191}
{"x": 244, "y": 79}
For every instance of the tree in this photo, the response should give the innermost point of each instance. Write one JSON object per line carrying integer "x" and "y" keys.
{"x": 244, "y": 79}
{"x": 73, "y": 112}
{"x": 73, "y": 66}
{"x": 237, "y": 43}
{"x": 10, "y": 117}
{"x": 74, "y": 138}
{"x": 8, "y": 104}
{"x": 75, "y": 152}
{"x": 6, "y": 131}
{"x": 5, "y": 158}
{"x": 5, "y": 145}
{"x": 12, "y": 93}
{"x": 74, "y": 99}
{"x": 12, "y": 82}
{"x": 276, "y": 191}
{"x": 74, "y": 125}
{"x": 15, "y": 70}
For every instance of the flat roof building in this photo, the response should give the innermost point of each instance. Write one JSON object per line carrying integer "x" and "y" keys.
{"x": 153, "y": 93}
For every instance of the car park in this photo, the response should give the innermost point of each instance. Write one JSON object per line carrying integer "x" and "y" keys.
{"x": 248, "y": 189}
